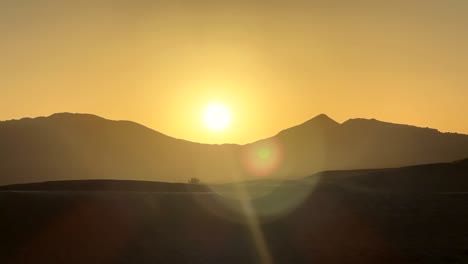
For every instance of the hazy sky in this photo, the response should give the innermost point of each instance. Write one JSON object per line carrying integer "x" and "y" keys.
{"x": 274, "y": 63}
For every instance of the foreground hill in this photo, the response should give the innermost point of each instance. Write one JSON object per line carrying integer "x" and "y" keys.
{"x": 439, "y": 177}
{"x": 105, "y": 186}
{"x": 428, "y": 178}
{"x": 331, "y": 217}
{"x": 78, "y": 146}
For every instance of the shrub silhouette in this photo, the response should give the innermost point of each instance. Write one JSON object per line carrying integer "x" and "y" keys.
{"x": 194, "y": 181}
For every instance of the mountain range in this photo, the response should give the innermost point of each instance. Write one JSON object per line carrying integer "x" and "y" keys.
{"x": 81, "y": 146}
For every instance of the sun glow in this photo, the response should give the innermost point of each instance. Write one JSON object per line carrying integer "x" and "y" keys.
{"x": 217, "y": 117}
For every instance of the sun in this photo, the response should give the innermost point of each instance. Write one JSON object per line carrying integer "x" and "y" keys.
{"x": 217, "y": 117}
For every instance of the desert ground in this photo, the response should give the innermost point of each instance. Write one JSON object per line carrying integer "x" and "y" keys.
{"x": 320, "y": 219}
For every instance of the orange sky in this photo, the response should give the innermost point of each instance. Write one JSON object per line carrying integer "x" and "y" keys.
{"x": 274, "y": 64}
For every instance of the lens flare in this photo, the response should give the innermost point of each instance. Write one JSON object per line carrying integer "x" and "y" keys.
{"x": 262, "y": 158}
{"x": 257, "y": 196}
{"x": 267, "y": 199}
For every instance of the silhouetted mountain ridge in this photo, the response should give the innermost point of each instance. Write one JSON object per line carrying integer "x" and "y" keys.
{"x": 320, "y": 120}
{"x": 320, "y": 123}
{"x": 82, "y": 146}
{"x": 376, "y": 124}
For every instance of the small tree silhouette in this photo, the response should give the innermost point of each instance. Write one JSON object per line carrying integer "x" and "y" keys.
{"x": 194, "y": 181}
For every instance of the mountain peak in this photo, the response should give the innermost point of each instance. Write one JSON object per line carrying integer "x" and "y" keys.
{"x": 67, "y": 115}
{"x": 361, "y": 121}
{"x": 365, "y": 123}
{"x": 319, "y": 122}
{"x": 56, "y": 117}
{"x": 322, "y": 119}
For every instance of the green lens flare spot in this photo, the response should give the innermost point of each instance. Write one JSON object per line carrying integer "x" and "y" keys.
{"x": 264, "y": 154}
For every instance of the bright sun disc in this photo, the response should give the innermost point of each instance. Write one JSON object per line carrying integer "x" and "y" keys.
{"x": 216, "y": 117}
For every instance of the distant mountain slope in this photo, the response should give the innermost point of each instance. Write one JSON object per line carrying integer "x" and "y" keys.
{"x": 322, "y": 144}
{"x": 78, "y": 146}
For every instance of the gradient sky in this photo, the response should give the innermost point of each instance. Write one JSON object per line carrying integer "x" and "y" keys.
{"x": 274, "y": 63}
